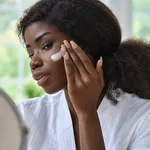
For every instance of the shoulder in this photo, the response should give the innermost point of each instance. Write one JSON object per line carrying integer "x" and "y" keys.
{"x": 128, "y": 121}
{"x": 126, "y": 102}
{"x": 131, "y": 102}
{"x": 133, "y": 107}
{"x": 130, "y": 109}
{"x": 35, "y": 106}
{"x": 140, "y": 118}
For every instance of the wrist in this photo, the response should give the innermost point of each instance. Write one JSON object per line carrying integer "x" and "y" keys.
{"x": 88, "y": 116}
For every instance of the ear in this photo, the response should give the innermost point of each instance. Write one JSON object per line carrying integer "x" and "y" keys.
{"x": 100, "y": 71}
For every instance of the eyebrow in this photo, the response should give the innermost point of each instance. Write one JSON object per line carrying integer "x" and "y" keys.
{"x": 39, "y": 38}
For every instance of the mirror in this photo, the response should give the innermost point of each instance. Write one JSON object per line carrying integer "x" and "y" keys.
{"x": 12, "y": 130}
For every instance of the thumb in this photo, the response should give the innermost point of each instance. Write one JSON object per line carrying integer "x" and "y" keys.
{"x": 100, "y": 71}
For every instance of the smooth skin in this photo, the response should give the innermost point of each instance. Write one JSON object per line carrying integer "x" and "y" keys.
{"x": 85, "y": 84}
{"x": 75, "y": 73}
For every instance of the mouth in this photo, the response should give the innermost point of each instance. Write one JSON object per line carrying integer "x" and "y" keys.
{"x": 42, "y": 80}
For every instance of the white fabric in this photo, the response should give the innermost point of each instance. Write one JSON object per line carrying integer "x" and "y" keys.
{"x": 125, "y": 126}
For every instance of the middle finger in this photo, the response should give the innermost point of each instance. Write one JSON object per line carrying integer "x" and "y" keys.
{"x": 76, "y": 60}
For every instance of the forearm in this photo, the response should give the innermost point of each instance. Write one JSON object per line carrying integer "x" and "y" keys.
{"x": 90, "y": 133}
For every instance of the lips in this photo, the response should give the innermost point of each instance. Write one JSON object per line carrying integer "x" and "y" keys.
{"x": 40, "y": 78}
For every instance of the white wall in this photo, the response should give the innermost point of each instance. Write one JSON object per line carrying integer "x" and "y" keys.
{"x": 123, "y": 11}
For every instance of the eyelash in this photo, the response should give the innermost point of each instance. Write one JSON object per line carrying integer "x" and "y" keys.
{"x": 49, "y": 45}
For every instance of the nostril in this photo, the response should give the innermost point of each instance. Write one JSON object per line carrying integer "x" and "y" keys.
{"x": 36, "y": 64}
{"x": 33, "y": 68}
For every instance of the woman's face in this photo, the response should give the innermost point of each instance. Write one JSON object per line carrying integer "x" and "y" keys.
{"x": 42, "y": 41}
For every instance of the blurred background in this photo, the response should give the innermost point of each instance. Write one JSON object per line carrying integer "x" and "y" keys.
{"x": 15, "y": 77}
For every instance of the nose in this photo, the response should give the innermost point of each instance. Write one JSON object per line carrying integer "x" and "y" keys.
{"x": 36, "y": 61}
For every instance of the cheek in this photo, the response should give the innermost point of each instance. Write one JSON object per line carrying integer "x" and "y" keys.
{"x": 56, "y": 68}
{"x": 57, "y": 80}
{"x": 58, "y": 77}
{"x": 57, "y": 56}
{"x": 60, "y": 72}
{"x": 59, "y": 68}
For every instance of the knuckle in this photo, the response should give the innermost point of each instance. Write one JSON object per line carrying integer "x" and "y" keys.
{"x": 76, "y": 59}
{"x": 70, "y": 74}
{"x": 68, "y": 63}
{"x": 85, "y": 60}
{"x": 79, "y": 84}
{"x": 71, "y": 51}
{"x": 78, "y": 63}
{"x": 69, "y": 71}
{"x": 86, "y": 80}
{"x": 76, "y": 47}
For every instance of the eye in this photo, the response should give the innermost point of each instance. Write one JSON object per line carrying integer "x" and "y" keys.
{"x": 47, "y": 46}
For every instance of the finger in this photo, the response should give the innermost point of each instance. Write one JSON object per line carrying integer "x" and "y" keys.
{"x": 83, "y": 57}
{"x": 71, "y": 70}
{"x": 76, "y": 60}
{"x": 63, "y": 50}
{"x": 100, "y": 71}
{"x": 75, "y": 70}
{"x": 68, "y": 67}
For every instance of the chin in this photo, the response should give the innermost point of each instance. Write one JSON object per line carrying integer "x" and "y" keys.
{"x": 52, "y": 90}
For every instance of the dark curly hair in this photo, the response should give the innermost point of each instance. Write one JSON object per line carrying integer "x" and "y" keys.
{"x": 94, "y": 27}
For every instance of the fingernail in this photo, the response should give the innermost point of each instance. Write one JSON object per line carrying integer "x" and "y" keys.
{"x": 74, "y": 45}
{"x": 67, "y": 44}
{"x": 101, "y": 61}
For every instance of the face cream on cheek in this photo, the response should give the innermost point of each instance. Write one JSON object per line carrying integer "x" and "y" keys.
{"x": 57, "y": 56}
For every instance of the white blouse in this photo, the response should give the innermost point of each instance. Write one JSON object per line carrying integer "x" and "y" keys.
{"x": 125, "y": 126}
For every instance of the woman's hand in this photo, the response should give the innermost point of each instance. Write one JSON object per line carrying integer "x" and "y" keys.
{"x": 85, "y": 83}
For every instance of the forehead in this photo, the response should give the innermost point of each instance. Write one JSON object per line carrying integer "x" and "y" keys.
{"x": 36, "y": 29}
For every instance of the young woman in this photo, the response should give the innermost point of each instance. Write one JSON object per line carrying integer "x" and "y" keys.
{"x": 98, "y": 89}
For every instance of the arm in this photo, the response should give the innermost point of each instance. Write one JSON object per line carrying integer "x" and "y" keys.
{"x": 85, "y": 84}
{"x": 90, "y": 133}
